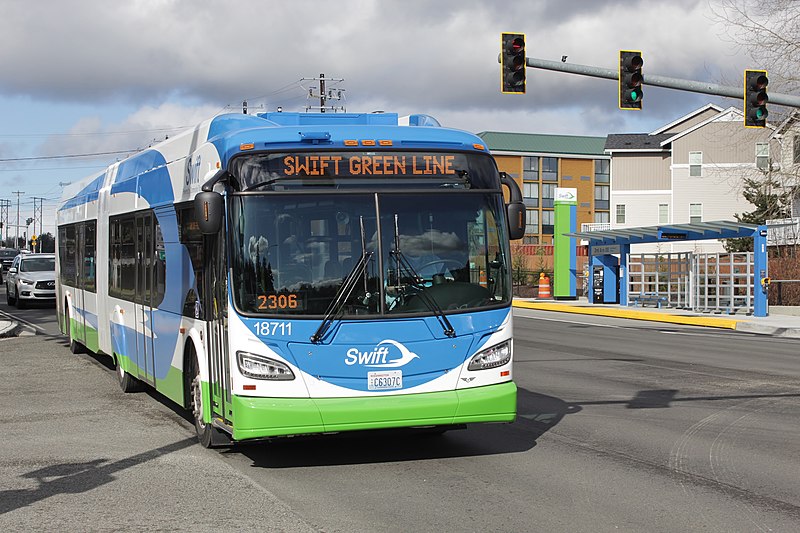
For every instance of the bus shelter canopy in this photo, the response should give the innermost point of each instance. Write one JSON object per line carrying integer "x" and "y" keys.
{"x": 721, "y": 229}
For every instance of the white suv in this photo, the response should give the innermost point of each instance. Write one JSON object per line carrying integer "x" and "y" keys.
{"x": 31, "y": 278}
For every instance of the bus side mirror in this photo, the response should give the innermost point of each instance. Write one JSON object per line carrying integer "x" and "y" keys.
{"x": 516, "y": 220}
{"x": 208, "y": 210}
{"x": 515, "y": 208}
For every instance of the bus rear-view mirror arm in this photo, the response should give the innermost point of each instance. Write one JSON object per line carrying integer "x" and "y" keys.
{"x": 515, "y": 208}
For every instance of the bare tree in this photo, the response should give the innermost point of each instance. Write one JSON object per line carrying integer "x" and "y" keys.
{"x": 769, "y": 32}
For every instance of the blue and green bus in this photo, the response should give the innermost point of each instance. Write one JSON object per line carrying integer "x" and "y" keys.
{"x": 286, "y": 274}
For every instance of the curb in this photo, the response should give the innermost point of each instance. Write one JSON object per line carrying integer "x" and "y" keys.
{"x": 8, "y": 328}
{"x": 724, "y": 323}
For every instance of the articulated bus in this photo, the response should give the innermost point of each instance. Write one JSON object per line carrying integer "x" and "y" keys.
{"x": 285, "y": 274}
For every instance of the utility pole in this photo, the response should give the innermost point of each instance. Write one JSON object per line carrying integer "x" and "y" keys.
{"x": 5, "y": 205}
{"x": 16, "y": 238}
{"x": 325, "y": 94}
{"x": 37, "y": 215}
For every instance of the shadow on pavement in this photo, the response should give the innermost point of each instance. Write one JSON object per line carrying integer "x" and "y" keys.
{"x": 74, "y": 478}
{"x": 537, "y": 413}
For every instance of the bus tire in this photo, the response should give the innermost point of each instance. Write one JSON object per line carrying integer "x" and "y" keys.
{"x": 127, "y": 382}
{"x": 74, "y": 346}
{"x": 207, "y": 435}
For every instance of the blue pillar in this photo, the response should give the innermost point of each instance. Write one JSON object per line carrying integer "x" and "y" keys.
{"x": 760, "y": 265}
{"x": 624, "y": 250}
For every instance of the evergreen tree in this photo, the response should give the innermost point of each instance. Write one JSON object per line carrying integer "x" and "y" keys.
{"x": 770, "y": 202}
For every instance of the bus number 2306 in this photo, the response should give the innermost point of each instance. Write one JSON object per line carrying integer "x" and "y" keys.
{"x": 267, "y": 329}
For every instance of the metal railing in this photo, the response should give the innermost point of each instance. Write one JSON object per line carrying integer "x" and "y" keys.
{"x": 595, "y": 226}
{"x": 785, "y": 231}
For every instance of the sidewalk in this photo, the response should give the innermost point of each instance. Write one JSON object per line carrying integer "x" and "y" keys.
{"x": 778, "y": 325}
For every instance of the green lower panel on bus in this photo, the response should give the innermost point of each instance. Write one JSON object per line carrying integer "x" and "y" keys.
{"x": 271, "y": 417}
{"x": 90, "y": 341}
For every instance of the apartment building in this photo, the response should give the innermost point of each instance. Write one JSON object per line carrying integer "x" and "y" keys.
{"x": 690, "y": 170}
{"x": 540, "y": 163}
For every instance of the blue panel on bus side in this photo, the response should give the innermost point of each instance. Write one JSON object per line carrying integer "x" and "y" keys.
{"x": 414, "y": 346}
{"x": 146, "y": 175}
{"x": 87, "y": 194}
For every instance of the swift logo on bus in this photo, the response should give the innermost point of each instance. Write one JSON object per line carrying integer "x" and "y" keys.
{"x": 379, "y": 356}
{"x": 192, "y": 171}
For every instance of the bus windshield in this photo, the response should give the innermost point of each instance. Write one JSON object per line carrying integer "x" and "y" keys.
{"x": 291, "y": 253}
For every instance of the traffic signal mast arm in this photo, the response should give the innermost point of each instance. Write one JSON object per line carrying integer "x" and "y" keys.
{"x": 652, "y": 80}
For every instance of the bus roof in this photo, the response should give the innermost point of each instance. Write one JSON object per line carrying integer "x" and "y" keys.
{"x": 331, "y": 130}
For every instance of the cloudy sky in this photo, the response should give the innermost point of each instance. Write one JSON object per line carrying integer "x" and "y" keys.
{"x": 97, "y": 77}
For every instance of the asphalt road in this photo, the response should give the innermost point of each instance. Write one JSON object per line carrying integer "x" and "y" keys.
{"x": 623, "y": 426}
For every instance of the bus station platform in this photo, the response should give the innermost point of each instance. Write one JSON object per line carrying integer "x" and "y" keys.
{"x": 780, "y": 322}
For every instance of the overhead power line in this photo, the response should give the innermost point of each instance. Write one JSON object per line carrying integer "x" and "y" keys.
{"x": 93, "y": 133}
{"x": 66, "y": 156}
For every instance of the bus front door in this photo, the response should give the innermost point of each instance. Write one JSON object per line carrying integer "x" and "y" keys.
{"x": 217, "y": 308}
{"x": 145, "y": 253}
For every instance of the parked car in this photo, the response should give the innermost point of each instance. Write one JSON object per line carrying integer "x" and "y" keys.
{"x": 31, "y": 278}
{"x": 7, "y": 256}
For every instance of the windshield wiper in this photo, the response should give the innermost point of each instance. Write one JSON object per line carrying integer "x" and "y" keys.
{"x": 343, "y": 294}
{"x": 403, "y": 264}
{"x": 341, "y": 297}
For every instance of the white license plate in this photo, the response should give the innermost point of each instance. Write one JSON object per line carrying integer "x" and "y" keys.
{"x": 386, "y": 380}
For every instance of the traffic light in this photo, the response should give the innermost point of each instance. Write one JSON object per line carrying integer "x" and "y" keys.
{"x": 755, "y": 98}
{"x": 512, "y": 63}
{"x": 630, "y": 79}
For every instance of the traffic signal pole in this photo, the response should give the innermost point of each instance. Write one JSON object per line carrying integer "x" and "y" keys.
{"x": 652, "y": 80}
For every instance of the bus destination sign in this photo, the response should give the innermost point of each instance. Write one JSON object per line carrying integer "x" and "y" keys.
{"x": 342, "y": 164}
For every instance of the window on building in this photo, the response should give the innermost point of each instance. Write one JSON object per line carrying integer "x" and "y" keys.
{"x": 531, "y": 226}
{"x": 530, "y": 168}
{"x": 796, "y": 151}
{"x": 663, "y": 213}
{"x": 548, "y": 194}
{"x": 762, "y": 156}
{"x": 530, "y": 193}
{"x": 695, "y": 213}
{"x": 695, "y": 164}
{"x": 602, "y": 171}
{"x": 549, "y": 169}
{"x": 601, "y": 196}
{"x": 548, "y": 222}
{"x": 620, "y": 213}
{"x": 602, "y": 217}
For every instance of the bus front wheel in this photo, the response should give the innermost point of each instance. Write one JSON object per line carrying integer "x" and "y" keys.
{"x": 209, "y": 436}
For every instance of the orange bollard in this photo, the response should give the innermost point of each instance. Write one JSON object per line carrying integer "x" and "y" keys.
{"x": 544, "y": 286}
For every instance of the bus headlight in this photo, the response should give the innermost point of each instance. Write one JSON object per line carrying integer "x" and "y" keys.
{"x": 491, "y": 357}
{"x": 260, "y": 367}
